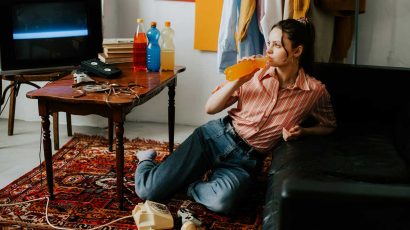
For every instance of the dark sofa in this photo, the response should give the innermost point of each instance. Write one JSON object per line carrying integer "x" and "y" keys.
{"x": 359, "y": 175}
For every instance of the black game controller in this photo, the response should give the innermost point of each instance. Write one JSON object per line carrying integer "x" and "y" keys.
{"x": 99, "y": 68}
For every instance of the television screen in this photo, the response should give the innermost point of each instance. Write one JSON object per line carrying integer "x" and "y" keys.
{"x": 44, "y": 35}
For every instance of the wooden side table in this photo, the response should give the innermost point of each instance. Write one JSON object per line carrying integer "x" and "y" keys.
{"x": 127, "y": 91}
{"x": 14, "y": 87}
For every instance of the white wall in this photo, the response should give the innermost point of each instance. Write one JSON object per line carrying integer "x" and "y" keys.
{"x": 384, "y": 34}
{"x": 383, "y": 40}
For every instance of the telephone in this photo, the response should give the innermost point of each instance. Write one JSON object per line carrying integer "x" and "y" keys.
{"x": 152, "y": 215}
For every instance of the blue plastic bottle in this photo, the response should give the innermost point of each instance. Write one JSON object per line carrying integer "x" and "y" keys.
{"x": 153, "y": 49}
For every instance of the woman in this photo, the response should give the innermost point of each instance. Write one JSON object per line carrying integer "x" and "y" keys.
{"x": 275, "y": 99}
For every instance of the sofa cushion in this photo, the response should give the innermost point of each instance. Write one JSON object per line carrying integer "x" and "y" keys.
{"x": 365, "y": 155}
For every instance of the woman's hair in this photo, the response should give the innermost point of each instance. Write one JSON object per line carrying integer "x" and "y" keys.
{"x": 300, "y": 32}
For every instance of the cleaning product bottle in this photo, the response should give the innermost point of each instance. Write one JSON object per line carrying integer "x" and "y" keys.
{"x": 167, "y": 47}
{"x": 153, "y": 49}
{"x": 140, "y": 47}
{"x": 244, "y": 68}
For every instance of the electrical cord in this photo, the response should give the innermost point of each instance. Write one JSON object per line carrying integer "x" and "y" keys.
{"x": 61, "y": 228}
{"x": 5, "y": 104}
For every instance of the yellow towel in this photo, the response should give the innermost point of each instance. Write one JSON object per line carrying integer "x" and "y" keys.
{"x": 245, "y": 15}
{"x": 300, "y": 8}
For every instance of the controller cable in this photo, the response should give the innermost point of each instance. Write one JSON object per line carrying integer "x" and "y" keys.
{"x": 56, "y": 227}
{"x": 48, "y": 199}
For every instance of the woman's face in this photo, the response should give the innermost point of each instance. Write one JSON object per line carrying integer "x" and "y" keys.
{"x": 276, "y": 49}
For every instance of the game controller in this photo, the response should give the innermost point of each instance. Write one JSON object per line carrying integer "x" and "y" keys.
{"x": 101, "y": 69}
{"x": 81, "y": 77}
{"x": 187, "y": 216}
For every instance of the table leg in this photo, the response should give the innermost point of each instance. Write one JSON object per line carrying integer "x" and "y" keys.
{"x": 56, "y": 134}
{"x": 119, "y": 152}
{"x": 12, "y": 107}
{"x": 171, "y": 114}
{"x": 110, "y": 133}
{"x": 45, "y": 123}
{"x": 69, "y": 126}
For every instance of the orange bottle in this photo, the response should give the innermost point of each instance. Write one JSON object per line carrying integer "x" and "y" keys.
{"x": 140, "y": 47}
{"x": 244, "y": 68}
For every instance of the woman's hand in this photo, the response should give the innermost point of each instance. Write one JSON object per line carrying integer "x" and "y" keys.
{"x": 295, "y": 132}
{"x": 246, "y": 78}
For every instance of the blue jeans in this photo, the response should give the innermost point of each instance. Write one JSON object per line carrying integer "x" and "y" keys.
{"x": 214, "y": 146}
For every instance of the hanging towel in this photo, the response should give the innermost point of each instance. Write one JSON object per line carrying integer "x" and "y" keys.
{"x": 227, "y": 50}
{"x": 300, "y": 8}
{"x": 288, "y": 9}
{"x": 324, "y": 26}
{"x": 273, "y": 14}
{"x": 253, "y": 43}
{"x": 342, "y": 38}
{"x": 245, "y": 15}
{"x": 344, "y": 11}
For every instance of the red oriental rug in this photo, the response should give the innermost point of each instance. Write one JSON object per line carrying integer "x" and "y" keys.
{"x": 85, "y": 191}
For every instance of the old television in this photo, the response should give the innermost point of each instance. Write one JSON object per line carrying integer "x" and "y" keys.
{"x": 38, "y": 36}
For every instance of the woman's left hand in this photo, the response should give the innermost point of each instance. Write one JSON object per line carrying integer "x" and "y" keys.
{"x": 295, "y": 132}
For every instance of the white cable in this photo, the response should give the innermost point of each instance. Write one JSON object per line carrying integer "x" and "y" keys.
{"x": 55, "y": 227}
{"x": 24, "y": 202}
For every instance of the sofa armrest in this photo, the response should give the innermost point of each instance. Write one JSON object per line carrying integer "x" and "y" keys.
{"x": 288, "y": 159}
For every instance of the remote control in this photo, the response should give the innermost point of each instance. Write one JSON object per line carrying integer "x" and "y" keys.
{"x": 99, "y": 68}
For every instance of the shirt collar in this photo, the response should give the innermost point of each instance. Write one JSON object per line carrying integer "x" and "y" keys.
{"x": 301, "y": 80}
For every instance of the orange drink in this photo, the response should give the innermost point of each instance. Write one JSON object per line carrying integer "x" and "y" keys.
{"x": 244, "y": 68}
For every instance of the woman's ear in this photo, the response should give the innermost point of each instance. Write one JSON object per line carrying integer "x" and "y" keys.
{"x": 298, "y": 51}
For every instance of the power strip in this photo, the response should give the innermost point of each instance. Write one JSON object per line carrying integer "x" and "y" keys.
{"x": 56, "y": 227}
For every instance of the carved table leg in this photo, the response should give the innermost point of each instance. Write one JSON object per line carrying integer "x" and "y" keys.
{"x": 110, "y": 134}
{"x": 56, "y": 134}
{"x": 45, "y": 122}
{"x": 119, "y": 151}
{"x": 171, "y": 114}
{"x": 12, "y": 107}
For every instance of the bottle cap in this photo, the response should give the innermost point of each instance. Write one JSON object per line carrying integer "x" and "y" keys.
{"x": 140, "y": 20}
{"x": 153, "y": 24}
{"x": 167, "y": 23}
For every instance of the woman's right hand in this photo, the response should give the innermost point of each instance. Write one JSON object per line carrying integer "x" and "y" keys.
{"x": 247, "y": 58}
{"x": 256, "y": 72}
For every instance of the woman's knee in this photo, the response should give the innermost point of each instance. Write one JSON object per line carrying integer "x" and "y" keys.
{"x": 225, "y": 205}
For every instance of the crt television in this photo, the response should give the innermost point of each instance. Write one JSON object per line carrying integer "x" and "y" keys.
{"x": 48, "y": 35}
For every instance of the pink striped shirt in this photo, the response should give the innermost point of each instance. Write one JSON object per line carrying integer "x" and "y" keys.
{"x": 264, "y": 108}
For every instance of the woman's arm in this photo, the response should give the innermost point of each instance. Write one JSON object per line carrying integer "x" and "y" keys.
{"x": 219, "y": 99}
{"x": 298, "y": 131}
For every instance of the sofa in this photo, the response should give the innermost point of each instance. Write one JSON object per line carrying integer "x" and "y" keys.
{"x": 358, "y": 177}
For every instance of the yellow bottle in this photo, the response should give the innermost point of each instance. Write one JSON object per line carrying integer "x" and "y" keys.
{"x": 244, "y": 68}
{"x": 167, "y": 48}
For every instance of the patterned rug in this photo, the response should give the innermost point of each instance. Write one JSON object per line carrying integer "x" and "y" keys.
{"x": 85, "y": 191}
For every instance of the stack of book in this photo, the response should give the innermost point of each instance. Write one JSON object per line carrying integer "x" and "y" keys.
{"x": 117, "y": 50}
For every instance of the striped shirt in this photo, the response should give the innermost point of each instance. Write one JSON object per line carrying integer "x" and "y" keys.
{"x": 264, "y": 109}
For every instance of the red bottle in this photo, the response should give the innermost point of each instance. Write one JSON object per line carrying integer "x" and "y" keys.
{"x": 140, "y": 47}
